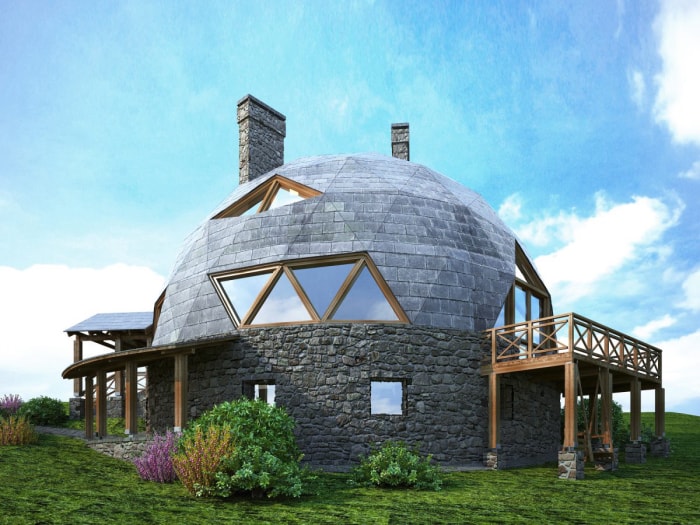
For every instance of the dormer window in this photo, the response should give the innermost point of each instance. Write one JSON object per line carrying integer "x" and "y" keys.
{"x": 330, "y": 289}
{"x": 273, "y": 193}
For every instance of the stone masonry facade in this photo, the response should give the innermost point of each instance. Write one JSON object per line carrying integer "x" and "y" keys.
{"x": 323, "y": 374}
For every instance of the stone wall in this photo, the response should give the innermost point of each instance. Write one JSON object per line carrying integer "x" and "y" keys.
{"x": 323, "y": 374}
{"x": 121, "y": 448}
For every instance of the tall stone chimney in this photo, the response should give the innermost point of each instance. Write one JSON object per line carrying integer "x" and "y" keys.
{"x": 261, "y": 132}
{"x": 399, "y": 141}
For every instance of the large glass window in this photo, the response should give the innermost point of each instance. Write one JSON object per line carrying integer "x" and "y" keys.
{"x": 273, "y": 193}
{"x": 347, "y": 288}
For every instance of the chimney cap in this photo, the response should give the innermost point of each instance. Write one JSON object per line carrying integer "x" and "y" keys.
{"x": 260, "y": 103}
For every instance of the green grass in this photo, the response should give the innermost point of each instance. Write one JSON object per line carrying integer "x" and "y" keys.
{"x": 59, "y": 480}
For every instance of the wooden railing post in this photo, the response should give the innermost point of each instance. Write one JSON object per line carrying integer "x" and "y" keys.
{"x": 494, "y": 411}
{"x": 89, "y": 408}
{"x": 180, "y": 390}
{"x": 660, "y": 413}
{"x": 101, "y": 405}
{"x": 570, "y": 425}
{"x": 131, "y": 402}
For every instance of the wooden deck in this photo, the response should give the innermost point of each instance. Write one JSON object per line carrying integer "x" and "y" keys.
{"x": 581, "y": 356}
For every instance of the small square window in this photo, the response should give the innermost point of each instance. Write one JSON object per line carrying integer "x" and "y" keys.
{"x": 388, "y": 396}
{"x": 263, "y": 390}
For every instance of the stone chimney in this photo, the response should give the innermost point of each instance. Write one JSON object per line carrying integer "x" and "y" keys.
{"x": 399, "y": 141}
{"x": 261, "y": 132}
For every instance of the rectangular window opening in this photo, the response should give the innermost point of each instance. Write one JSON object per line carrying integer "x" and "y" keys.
{"x": 388, "y": 396}
{"x": 263, "y": 390}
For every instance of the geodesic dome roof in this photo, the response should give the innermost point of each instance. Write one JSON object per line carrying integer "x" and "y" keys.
{"x": 445, "y": 256}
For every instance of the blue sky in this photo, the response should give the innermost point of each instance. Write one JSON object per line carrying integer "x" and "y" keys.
{"x": 579, "y": 122}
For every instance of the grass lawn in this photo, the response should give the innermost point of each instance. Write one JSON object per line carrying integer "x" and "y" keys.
{"x": 59, "y": 480}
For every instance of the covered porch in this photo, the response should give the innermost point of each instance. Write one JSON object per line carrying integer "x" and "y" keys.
{"x": 586, "y": 360}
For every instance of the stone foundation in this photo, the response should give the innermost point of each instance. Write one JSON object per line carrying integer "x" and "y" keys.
{"x": 571, "y": 463}
{"x": 636, "y": 452}
{"x": 494, "y": 460}
{"x": 121, "y": 448}
{"x": 660, "y": 447}
{"x": 606, "y": 458}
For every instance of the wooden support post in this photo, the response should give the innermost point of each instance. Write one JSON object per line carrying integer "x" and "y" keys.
{"x": 494, "y": 411}
{"x": 131, "y": 403}
{"x": 101, "y": 404}
{"x": 606, "y": 391}
{"x": 635, "y": 410}
{"x": 77, "y": 356}
{"x": 89, "y": 408}
{"x": 118, "y": 377}
{"x": 660, "y": 412}
{"x": 180, "y": 390}
{"x": 570, "y": 424}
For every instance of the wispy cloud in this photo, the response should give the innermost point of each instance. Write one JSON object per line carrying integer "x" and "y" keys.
{"x": 691, "y": 290}
{"x": 692, "y": 173}
{"x": 638, "y": 87}
{"x": 598, "y": 245}
{"x": 647, "y": 330}
{"x": 678, "y": 98}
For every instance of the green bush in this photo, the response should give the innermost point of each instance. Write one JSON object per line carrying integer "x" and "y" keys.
{"x": 264, "y": 458}
{"x": 394, "y": 465}
{"x": 44, "y": 411}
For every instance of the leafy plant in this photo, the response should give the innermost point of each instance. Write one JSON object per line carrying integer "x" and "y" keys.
{"x": 45, "y": 411}
{"x": 264, "y": 458}
{"x": 200, "y": 453}
{"x": 16, "y": 430}
{"x": 10, "y": 404}
{"x": 394, "y": 465}
{"x": 156, "y": 464}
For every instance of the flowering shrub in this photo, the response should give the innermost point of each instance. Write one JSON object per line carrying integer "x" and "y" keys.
{"x": 199, "y": 456}
{"x": 45, "y": 411}
{"x": 263, "y": 458}
{"x": 156, "y": 464}
{"x": 394, "y": 465}
{"x": 16, "y": 430}
{"x": 10, "y": 404}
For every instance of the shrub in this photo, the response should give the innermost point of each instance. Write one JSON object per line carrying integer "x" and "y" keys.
{"x": 394, "y": 465}
{"x": 199, "y": 456}
{"x": 44, "y": 411}
{"x": 16, "y": 430}
{"x": 156, "y": 464}
{"x": 10, "y": 404}
{"x": 264, "y": 458}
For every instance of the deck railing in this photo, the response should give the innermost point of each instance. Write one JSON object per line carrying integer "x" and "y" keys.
{"x": 576, "y": 336}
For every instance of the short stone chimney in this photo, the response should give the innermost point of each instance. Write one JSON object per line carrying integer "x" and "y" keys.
{"x": 399, "y": 141}
{"x": 261, "y": 132}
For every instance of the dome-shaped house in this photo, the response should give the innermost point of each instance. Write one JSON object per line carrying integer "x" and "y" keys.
{"x": 354, "y": 290}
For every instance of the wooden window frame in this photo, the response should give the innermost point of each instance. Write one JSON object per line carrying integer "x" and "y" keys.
{"x": 360, "y": 260}
{"x": 532, "y": 286}
{"x": 264, "y": 196}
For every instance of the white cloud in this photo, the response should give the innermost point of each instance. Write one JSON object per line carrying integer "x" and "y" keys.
{"x": 681, "y": 360}
{"x": 40, "y": 302}
{"x": 511, "y": 208}
{"x": 649, "y": 329}
{"x": 692, "y": 173}
{"x": 599, "y": 245}
{"x": 678, "y": 97}
{"x": 691, "y": 289}
{"x": 638, "y": 87}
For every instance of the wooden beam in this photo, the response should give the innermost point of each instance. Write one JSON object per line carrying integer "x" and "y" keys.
{"x": 660, "y": 412}
{"x": 606, "y": 400}
{"x": 77, "y": 356}
{"x": 89, "y": 408}
{"x": 131, "y": 402}
{"x": 180, "y": 390}
{"x": 101, "y": 404}
{"x": 570, "y": 424}
{"x": 494, "y": 411}
{"x": 635, "y": 410}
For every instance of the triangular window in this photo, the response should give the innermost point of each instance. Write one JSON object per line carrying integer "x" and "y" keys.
{"x": 347, "y": 288}
{"x": 273, "y": 193}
